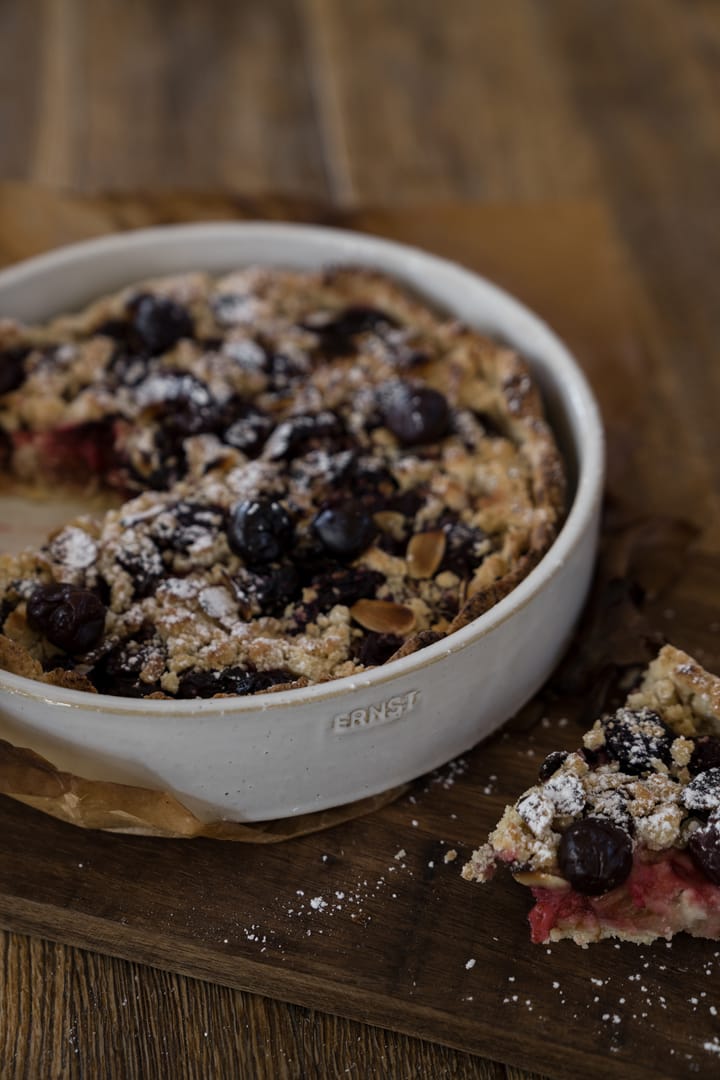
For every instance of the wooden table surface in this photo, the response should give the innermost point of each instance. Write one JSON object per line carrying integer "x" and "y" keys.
{"x": 364, "y": 102}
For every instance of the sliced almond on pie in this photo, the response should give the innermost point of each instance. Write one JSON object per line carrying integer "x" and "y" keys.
{"x": 536, "y": 879}
{"x": 424, "y": 553}
{"x": 383, "y": 616}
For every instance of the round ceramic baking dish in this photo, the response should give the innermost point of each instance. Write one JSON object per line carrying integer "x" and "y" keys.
{"x": 302, "y": 750}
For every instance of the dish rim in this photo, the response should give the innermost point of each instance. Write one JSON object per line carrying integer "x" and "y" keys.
{"x": 578, "y": 399}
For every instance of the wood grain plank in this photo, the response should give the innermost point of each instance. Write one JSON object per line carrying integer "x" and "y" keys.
{"x": 641, "y": 83}
{"x": 20, "y": 58}
{"x": 377, "y": 100}
{"x": 61, "y": 93}
{"x": 677, "y": 250}
{"x": 71, "y": 1013}
{"x": 653, "y": 114}
{"x": 466, "y": 100}
{"x": 176, "y": 93}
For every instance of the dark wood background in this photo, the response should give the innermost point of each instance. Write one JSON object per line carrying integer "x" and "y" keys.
{"x": 394, "y": 103}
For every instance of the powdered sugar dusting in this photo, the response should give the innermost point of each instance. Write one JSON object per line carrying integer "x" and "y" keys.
{"x": 537, "y": 812}
{"x": 73, "y": 548}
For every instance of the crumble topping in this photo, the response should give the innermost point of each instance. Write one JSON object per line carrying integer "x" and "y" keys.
{"x": 320, "y": 472}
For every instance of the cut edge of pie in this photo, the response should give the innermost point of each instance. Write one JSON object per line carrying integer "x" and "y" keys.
{"x": 621, "y": 839}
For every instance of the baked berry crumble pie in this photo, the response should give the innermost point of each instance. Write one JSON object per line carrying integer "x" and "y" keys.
{"x": 315, "y": 472}
{"x": 622, "y": 838}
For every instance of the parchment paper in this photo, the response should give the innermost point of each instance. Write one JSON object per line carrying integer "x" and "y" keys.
{"x": 122, "y": 808}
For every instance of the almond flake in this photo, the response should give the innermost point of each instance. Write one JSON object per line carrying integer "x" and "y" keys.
{"x": 383, "y": 616}
{"x": 539, "y": 880}
{"x": 424, "y": 553}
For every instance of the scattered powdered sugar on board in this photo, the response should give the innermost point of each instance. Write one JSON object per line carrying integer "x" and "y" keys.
{"x": 491, "y": 786}
{"x": 446, "y": 776}
{"x": 653, "y": 990}
{"x": 352, "y": 900}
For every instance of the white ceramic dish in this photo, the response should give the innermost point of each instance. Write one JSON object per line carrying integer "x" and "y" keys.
{"x": 303, "y": 750}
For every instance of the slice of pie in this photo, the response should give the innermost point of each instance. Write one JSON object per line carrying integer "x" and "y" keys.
{"x": 622, "y": 837}
{"x": 321, "y": 472}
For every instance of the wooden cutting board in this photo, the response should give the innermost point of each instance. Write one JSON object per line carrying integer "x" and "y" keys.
{"x": 368, "y": 920}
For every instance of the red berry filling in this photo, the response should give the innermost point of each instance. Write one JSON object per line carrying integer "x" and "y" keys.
{"x": 87, "y": 450}
{"x": 662, "y": 895}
